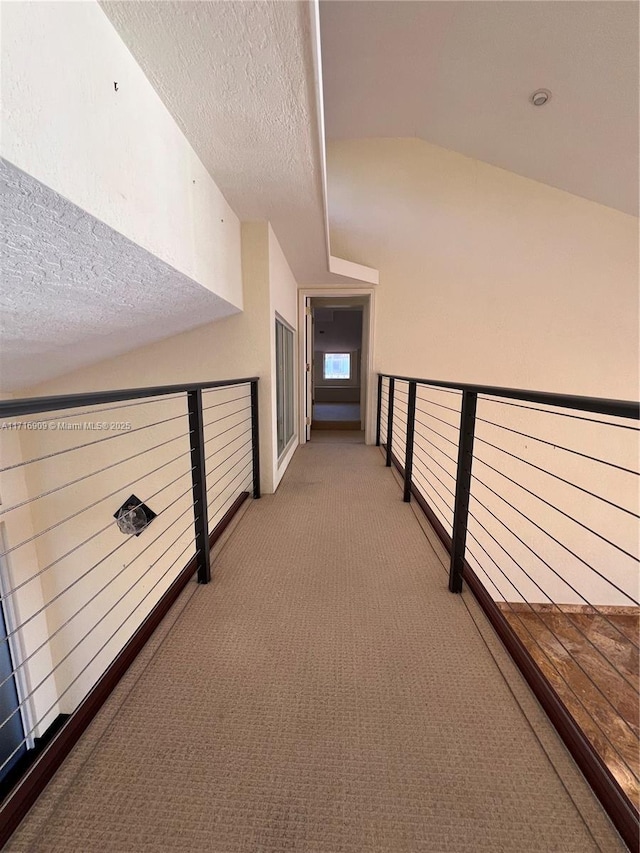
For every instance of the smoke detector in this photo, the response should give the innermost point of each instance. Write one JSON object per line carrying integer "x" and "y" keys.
{"x": 540, "y": 97}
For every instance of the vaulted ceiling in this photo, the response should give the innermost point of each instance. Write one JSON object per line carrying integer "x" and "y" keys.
{"x": 240, "y": 80}
{"x": 459, "y": 75}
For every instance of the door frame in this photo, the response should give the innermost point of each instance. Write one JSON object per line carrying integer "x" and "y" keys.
{"x": 368, "y": 379}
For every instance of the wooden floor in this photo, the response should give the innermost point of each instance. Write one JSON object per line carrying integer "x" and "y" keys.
{"x": 591, "y": 659}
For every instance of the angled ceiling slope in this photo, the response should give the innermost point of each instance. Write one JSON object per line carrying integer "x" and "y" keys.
{"x": 238, "y": 78}
{"x": 459, "y": 75}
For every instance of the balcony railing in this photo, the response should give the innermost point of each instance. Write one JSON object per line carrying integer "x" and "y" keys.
{"x": 535, "y": 497}
{"x": 110, "y": 503}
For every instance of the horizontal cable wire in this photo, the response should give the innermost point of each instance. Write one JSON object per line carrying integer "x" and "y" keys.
{"x": 559, "y": 446}
{"x": 399, "y": 454}
{"x": 543, "y": 561}
{"x": 443, "y": 437}
{"x": 230, "y": 483}
{"x": 224, "y": 431}
{"x": 440, "y": 390}
{"x": 228, "y": 471}
{"x": 546, "y": 595}
{"x": 93, "y": 536}
{"x": 562, "y": 678}
{"x": 69, "y": 686}
{"x": 233, "y": 496}
{"x": 432, "y": 473}
{"x": 95, "y": 595}
{"x": 226, "y": 458}
{"x": 434, "y": 489}
{"x": 557, "y": 541}
{"x": 83, "y": 575}
{"x": 561, "y": 511}
{"x": 557, "y": 477}
{"x": 93, "y": 473}
{"x": 72, "y": 413}
{"x": 434, "y": 506}
{"x": 95, "y": 503}
{"x": 90, "y": 443}
{"x": 230, "y": 415}
{"x": 93, "y": 627}
{"x": 224, "y": 446}
{"x": 419, "y": 435}
{"x": 433, "y": 403}
{"x": 560, "y": 414}
{"x": 433, "y": 459}
{"x": 455, "y": 427}
{"x": 571, "y": 657}
{"x": 225, "y": 402}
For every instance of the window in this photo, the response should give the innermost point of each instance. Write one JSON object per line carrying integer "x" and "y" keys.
{"x": 337, "y": 365}
{"x": 284, "y": 386}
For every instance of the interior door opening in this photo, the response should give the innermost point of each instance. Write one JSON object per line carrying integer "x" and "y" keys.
{"x": 336, "y": 369}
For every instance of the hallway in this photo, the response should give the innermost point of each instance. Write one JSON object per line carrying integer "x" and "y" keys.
{"x": 325, "y": 693}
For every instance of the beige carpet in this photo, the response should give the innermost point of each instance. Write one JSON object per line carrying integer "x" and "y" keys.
{"x": 337, "y": 435}
{"x": 325, "y": 693}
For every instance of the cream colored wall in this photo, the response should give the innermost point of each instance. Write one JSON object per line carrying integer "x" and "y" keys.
{"x": 486, "y": 276}
{"x": 284, "y": 302}
{"x": 94, "y": 576}
{"x": 119, "y": 155}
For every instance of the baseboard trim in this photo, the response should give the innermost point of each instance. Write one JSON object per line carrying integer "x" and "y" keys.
{"x": 27, "y": 790}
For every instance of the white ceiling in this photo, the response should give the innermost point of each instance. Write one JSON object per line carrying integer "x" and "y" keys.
{"x": 459, "y": 75}
{"x": 238, "y": 78}
{"x": 74, "y": 291}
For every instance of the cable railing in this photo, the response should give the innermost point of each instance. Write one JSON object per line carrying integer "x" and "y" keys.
{"x": 110, "y": 503}
{"x": 535, "y": 496}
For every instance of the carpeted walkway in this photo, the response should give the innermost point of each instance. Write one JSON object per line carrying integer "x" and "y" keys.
{"x": 324, "y": 694}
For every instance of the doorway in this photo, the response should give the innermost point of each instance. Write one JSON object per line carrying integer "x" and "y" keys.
{"x": 336, "y": 358}
{"x": 337, "y": 366}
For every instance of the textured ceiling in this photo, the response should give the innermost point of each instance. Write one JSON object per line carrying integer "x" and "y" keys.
{"x": 238, "y": 78}
{"x": 459, "y": 75}
{"x": 74, "y": 291}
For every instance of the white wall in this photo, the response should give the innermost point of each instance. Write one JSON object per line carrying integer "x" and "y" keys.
{"x": 118, "y": 155}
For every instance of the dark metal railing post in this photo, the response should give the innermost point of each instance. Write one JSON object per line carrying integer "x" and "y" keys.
{"x": 390, "y": 420}
{"x": 255, "y": 439}
{"x": 463, "y": 489}
{"x": 379, "y": 411}
{"x": 199, "y": 480}
{"x": 408, "y": 454}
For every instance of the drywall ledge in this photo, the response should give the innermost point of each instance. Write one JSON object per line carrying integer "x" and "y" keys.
{"x": 76, "y": 292}
{"x": 351, "y": 270}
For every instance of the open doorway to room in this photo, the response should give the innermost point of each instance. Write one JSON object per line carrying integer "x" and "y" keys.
{"x": 337, "y": 365}
{"x": 337, "y": 369}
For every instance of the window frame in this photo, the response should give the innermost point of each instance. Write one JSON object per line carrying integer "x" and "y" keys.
{"x": 326, "y": 378}
{"x": 286, "y": 422}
